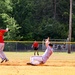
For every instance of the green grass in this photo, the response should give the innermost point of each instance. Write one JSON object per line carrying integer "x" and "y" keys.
{"x": 60, "y": 63}
{"x": 54, "y": 56}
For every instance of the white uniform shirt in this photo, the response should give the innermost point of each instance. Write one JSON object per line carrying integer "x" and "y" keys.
{"x": 47, "y": 54}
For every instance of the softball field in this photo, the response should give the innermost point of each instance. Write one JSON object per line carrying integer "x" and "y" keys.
{"x": 60, "y": 63}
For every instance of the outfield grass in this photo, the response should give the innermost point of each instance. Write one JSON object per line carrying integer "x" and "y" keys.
{"x": 60, "y": 63}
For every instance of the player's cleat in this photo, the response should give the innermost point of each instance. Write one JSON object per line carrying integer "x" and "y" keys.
{"x": 6, "y": 60}
{"x": 2, "y": 61}
{"x": 29, "y": 64}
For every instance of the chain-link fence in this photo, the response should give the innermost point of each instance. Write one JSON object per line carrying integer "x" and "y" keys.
{"x": 27, "y": 46}
{"x": 20, "y": 46}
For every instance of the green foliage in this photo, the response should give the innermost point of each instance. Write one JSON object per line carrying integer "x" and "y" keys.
{"x": 36, "y": 19}
{"x": 13, "y": 26}
{"x": 5, "y": 6}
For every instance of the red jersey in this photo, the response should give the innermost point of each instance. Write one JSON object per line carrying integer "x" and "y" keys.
{"x": 2, "y": 31}
{"x": 35, "y": 44}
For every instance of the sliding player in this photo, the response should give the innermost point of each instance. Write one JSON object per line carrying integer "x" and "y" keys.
{"x": 37, "y": 60}
{"x": 2, "y": 55}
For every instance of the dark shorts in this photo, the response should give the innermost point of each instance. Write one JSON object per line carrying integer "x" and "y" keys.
{"x": 35, "y": 48}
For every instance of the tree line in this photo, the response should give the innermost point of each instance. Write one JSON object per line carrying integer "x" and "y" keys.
{"x": 36, "y": 19}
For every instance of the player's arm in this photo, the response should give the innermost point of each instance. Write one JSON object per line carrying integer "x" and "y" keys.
{"x": 47, "y": 42}
{"x": 4, "y": 30}
{"x": 32, "y": 46}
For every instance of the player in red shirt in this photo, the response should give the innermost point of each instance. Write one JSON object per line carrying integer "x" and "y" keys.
{"x": 35, "y": 45}
{"x": 2, "y": 55}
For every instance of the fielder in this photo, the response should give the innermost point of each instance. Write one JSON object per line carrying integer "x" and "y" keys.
{"x": 35, "y": 45}
{"x": 2, "y": 55}
{"x": 37, "y": 60}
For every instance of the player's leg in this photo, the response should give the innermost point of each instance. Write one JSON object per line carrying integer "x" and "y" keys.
{"x": 1, "y": 48}
{"x": 37, "y": 52}
{"x": 34, "y": 52}
{"x": 36, "y": 60}
{"x": 3, "y": 57}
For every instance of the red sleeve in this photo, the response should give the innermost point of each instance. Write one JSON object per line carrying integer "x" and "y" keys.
{"x": 1, "y": 35}
{"x": 3, "y": 31}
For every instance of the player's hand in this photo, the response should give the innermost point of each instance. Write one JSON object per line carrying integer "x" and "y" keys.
{"x": 7, "y": 29}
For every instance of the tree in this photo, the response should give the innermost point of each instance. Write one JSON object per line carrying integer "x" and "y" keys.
{"x": 13, "y": 26}
{"x": 54, "y": 9}
{"x": 5, "y": 7}
{"x": 36, "y": 19}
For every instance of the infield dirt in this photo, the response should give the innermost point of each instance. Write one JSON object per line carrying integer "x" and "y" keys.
{"x": 58, "y": 64}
